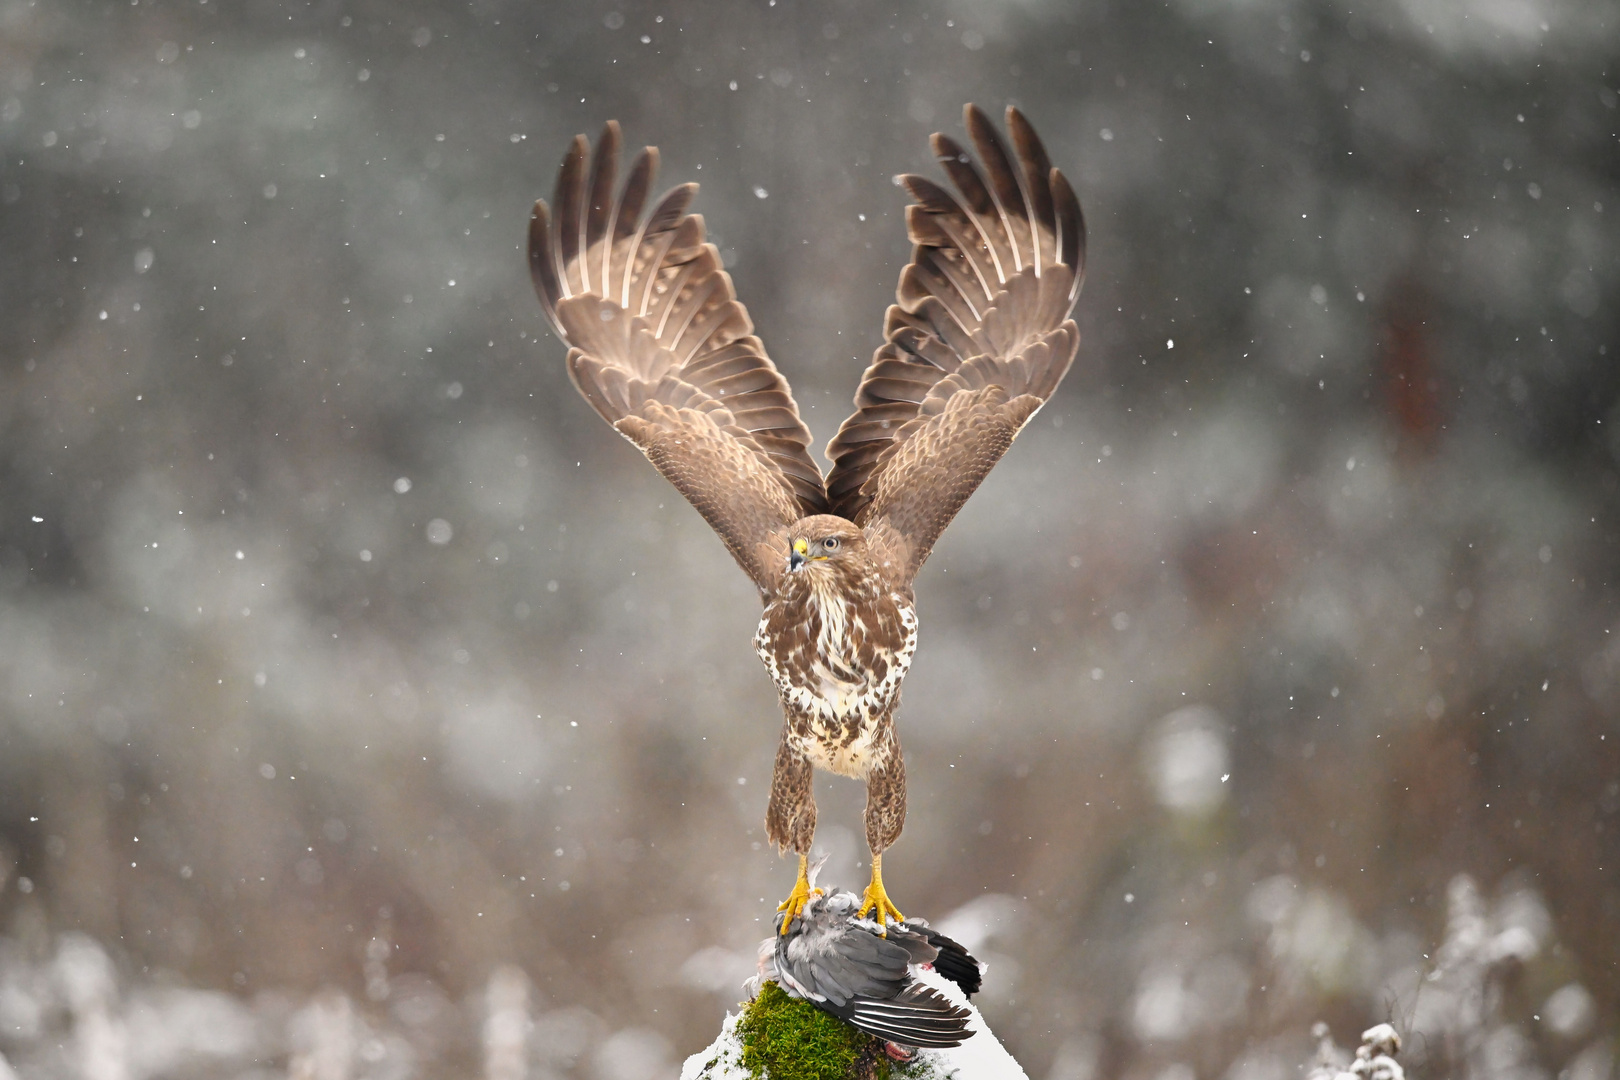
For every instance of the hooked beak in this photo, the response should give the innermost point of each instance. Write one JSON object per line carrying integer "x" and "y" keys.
{"x": 801, "y": 552}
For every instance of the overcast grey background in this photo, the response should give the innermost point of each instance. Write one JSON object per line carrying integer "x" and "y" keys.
{"x": 346, "y": 656}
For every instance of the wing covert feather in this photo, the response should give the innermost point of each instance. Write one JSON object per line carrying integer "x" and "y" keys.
{"x": 977, "y": 342}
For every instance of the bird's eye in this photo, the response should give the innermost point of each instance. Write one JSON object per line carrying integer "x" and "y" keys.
{"x": 831, "y": 543}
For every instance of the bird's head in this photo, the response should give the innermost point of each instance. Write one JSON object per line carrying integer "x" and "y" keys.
{"x": 824, "y": 539}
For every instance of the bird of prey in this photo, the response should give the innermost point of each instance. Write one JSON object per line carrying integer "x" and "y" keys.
{"x": 860, "y": 971}
{"x": 980, "y": 337}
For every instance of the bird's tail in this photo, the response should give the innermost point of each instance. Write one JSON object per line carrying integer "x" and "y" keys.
{"x": 955, "y": 963}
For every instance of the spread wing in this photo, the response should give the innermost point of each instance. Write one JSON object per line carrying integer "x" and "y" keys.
{"x": 977, "y": 343}
{"x": 659, "y": 345}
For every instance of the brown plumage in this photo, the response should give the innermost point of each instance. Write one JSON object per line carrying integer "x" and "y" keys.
{"x": 978, "y": 340}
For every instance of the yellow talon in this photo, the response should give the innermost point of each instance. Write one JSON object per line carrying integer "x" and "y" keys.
{"x": 877, "y": 900}
{"x": 801, "y": 894}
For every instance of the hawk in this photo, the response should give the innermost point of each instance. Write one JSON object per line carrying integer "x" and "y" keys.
{"x": 979, "y": 339}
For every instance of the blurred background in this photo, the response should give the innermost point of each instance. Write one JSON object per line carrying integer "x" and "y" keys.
{"x": 369, "y": 708}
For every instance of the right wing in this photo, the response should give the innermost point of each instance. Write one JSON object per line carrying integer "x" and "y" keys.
{"x": 660, "y": 347}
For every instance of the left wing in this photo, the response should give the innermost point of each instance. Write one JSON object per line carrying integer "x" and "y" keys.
{"x": 977, "y": 343}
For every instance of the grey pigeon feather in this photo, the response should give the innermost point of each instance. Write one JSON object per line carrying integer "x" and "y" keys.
{"x": 850, "y": 968}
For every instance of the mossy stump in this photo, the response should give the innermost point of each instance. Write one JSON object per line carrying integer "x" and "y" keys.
{"x": 784, "y": 1038}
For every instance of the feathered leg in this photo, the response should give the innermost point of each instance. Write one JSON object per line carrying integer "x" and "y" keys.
{"x": 790, "y": 821}
{"x": 885, "y": 816}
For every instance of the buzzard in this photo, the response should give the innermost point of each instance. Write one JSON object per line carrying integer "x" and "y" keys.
{"x": 979, "y": 339}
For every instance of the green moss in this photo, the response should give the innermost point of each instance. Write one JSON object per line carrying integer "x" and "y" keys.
{"x": 787, "y": 1039}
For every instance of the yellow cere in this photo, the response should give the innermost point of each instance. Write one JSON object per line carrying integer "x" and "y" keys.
{"x": 802, "y": 546}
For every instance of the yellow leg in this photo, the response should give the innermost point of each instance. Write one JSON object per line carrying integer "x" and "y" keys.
{"x": 877, "y": 900}
{"x": 800, "y": 896}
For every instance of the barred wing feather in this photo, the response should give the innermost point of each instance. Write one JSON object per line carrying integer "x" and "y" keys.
{"x": 662, "y": 349}
{"x": 978, "y": 340}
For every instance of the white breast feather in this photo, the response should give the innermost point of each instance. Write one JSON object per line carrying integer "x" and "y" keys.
{"x": 835, "y": 700}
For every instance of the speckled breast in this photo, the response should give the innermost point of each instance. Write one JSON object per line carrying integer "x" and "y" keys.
{"x": 838, "y": 658}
